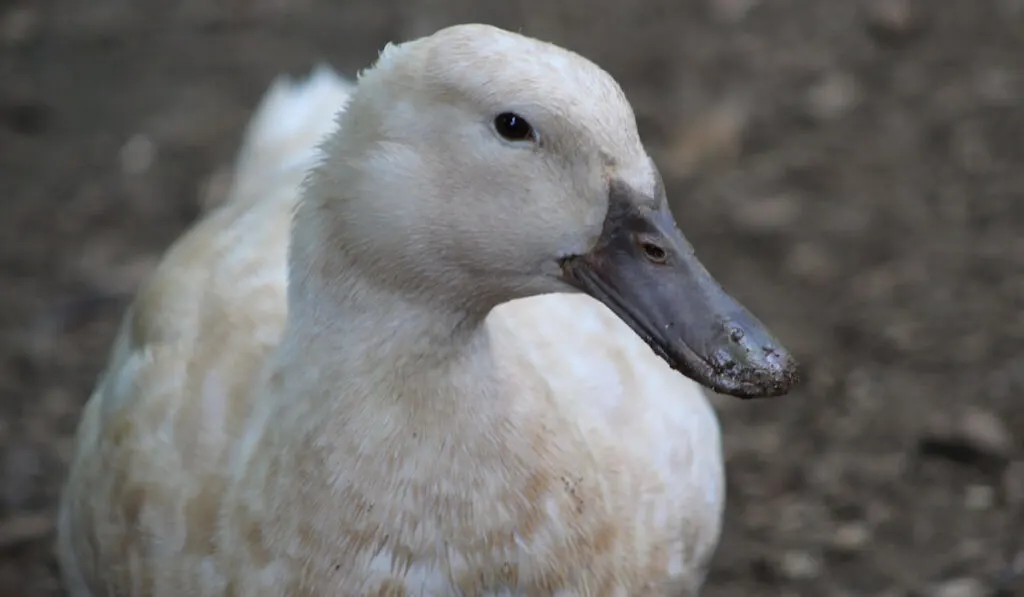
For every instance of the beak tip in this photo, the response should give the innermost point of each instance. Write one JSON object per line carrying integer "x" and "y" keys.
{"x": 782, "y": 378}
{"x": 777, "y": 376}
{"x": 766, "y": 373}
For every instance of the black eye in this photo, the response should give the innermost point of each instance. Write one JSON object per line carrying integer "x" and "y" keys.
{"x": 513, "y": 127}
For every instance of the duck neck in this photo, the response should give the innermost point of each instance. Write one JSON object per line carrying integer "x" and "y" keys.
{"x": 376, "y": 343}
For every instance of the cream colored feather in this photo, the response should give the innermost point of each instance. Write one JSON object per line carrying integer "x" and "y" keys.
{"x": 234, "y": 448}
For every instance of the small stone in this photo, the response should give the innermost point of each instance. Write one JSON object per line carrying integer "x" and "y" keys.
{"x": 799, "y": 565}
{"x": 713, "y": 139}
{"x": 732, "y": 11}
{"x": 811, "y": 262}
{"x": 978, "y": 498}
{"x": 137, "y": 155}
{"x": 769, "y": 214}
{"x": 892, "y": 21}
{"x": 971, "y": 550}
{"x": 851, "y": 537}
{"x": 1010, "y": 9}
{"x": 905, "y": 334}
{"x": 959, "y": 587}
{"x": 988, "y": 432}
{"x": 977, "y": 438}
{"x": 19, "y": 26}
{"x": 833, "y": 96}
{"x": 998, "y": 86}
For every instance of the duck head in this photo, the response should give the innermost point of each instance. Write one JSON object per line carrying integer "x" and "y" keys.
{"x": 476, "y": 166}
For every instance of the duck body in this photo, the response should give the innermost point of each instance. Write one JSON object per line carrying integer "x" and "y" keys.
{"x": 612, "y": 475}
{"x": 280, "y": 418}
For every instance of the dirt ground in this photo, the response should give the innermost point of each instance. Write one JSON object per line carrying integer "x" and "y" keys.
{"x": 851, "y": 170}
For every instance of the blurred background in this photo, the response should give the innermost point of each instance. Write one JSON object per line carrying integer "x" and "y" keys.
{"x": 851, "y": 170}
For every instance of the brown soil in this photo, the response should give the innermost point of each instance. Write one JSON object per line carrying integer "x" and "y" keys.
{"x": 851, "y": 170}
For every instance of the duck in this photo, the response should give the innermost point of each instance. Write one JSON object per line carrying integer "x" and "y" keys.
{"x": 443, "y": 337}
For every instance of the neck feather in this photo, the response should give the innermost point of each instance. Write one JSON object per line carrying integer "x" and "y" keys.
{"x": 373, "y": 340}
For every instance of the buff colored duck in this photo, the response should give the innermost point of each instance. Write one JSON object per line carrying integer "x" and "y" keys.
{"x": 457, "y": 359}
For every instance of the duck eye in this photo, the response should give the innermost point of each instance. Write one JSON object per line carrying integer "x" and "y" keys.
{"x": 654, "y": 253}
{"x": 513, "y": 127}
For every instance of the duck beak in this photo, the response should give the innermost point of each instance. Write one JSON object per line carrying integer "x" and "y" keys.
{"x": 645, "y": 271}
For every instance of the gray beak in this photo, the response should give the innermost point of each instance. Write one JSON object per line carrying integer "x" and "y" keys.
{"x": 645, "y": 271}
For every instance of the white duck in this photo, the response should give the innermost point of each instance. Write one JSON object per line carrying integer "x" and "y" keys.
{"x": 373, "y": 412}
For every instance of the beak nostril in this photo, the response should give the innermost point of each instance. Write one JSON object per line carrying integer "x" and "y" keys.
{"x": 736, "y": 334}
